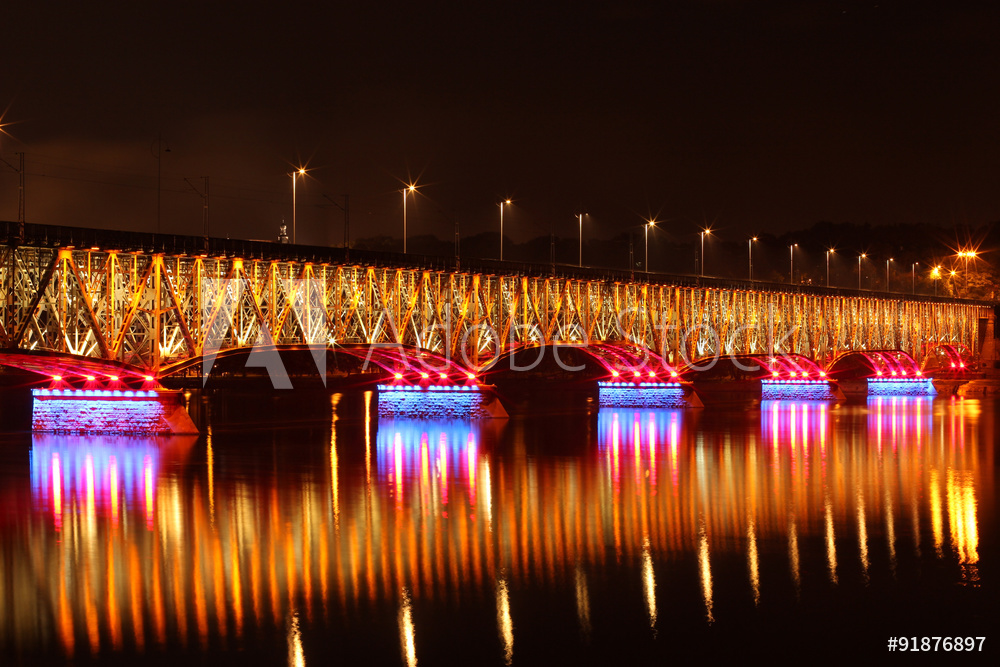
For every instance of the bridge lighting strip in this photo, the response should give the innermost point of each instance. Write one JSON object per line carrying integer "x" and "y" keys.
{"x": 430, "y": 387}
{"x": 899, "y": 379}
{"x": 625, "y": 384}
{"x": 95, "y": 393}
{"x": 795, "y": 382}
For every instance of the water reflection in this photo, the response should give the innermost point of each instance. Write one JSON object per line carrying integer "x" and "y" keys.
{"x": 123, "y": 547}
{"x": 406, "y": 633}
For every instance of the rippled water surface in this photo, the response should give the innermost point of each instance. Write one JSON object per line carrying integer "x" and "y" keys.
{"x": 797, "y": 529}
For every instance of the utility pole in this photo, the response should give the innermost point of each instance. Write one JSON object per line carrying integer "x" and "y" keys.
{"x": 19, "y": 169}
{"x": 346, "y": 208}
{"x": 204, "y": 199}
{"x": 159, "y": 177}
{"x": 552, "y": 251}
{"x": 631, "y": 259}
{"x": 20, "y": 194}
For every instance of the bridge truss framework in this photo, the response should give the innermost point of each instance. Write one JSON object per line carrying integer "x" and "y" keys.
{"x": 155, "y": 310}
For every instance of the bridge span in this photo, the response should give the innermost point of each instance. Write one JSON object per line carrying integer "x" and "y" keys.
{"x": 149, "y": 305}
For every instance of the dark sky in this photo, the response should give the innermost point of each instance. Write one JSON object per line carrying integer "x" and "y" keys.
{"x": 759, "y": 116}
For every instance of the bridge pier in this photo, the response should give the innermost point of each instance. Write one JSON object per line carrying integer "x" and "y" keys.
{"x": 430, "y": 401}
{"x": 799, "y": 390}
{"x": 127, "y": 411}
{"x": 646, "y": 395}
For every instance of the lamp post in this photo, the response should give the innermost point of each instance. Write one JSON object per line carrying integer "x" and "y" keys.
{"x": 935, "y": 276}
{"x": 791, "y": 263}
{"x": 295, "y": 177}
{"x": 750, "y": 243}
{"x": 704, "y": 233}
{"x": 887, "y": 274}
{"x": 346, "y": 208}
{"x": 408, "y": 189}
{"x": 913, "y": 275}
{"x": 19, "y": 170}
{"x": 966, "y": 255}
{"x": 860, "y": 257}
{"x": 646, "y": 227}
{"x": 828, "y": 252}
{"x": 580, "y": 261}
{"x": 502, "y": 204}
{"x": 160, "y": 150}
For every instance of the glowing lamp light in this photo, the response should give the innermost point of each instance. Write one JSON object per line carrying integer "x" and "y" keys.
{"x": 805, "y": 374}
{"x": 615, "y": 373}
{"x": 878, "y": 373}
{"x": 399, "y": 376}
{"x": 90, "y": 378}
{"x": 444, "y": 376}
{"x": 673, "y": 374}
{"x": 652, "y": 374}
{"x": 902, "y": 372}
{"x": 147, "y": 378}
{"x": 424, "y": 375}
{"x": 822, "y": 374}
{"x": 635, "y": 373}
{"x": 953, "y": 364}
{"x": 791, "y": 374}
{"x": 961, "y": 364}
{"x": 774, "y": 373}
{"x": 471, "y": 376}
{"x": 113, "y": 378}
{"x": 894, "y": 374}
{"x": 920, "y": 372}
{"x": 57, "y": 378}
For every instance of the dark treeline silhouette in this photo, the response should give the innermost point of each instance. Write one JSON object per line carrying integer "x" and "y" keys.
{"x": 911, "y": 250}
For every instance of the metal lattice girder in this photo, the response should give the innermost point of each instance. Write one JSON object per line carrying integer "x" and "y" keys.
{"x": 153, "y": 311}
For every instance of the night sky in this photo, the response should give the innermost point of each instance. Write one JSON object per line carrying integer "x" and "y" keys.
{"x": 752, "y": 116}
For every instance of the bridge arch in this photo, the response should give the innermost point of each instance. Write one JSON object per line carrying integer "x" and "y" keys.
{"x": 947, "y": 358}
{"x": 73, "y": 367}
{"x": 407, "y": 364}
{"x": 755, "y": 367}
{"x": 858, "y": 364}
{"x": 613, "y": 361}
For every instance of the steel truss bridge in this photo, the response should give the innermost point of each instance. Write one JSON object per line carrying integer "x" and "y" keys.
{"x": 153, "y": 304}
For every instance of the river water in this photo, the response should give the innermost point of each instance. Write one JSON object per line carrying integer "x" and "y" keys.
{"x": 792, "y": 530}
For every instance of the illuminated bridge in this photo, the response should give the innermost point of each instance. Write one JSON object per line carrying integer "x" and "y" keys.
{"x": 142, "y": 306}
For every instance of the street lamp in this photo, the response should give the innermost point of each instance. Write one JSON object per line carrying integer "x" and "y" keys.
{"x": 750, "y": 243}
{"x": 887, "y": 274}
{"x": 580, "y": 215}
{"x": 408, "y": 189}
{"x": 704, "y": 233}
{"x": 646, "y": 227}
{"x": 967, "y": 255}
{"x": 935, "y": 276}
{"x": 791, "y": 263}
{"x": 505, "y": 202}
{"x": 295, "y": 177}
{"x": 829, "y": 251}
{"x": 913, "y": 276}
{"x": 860, "y": 257}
